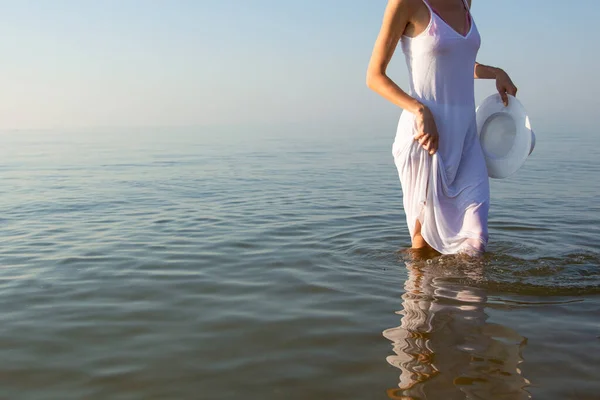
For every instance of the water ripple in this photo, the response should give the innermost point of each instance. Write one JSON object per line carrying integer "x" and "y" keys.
{"x": 184, "y": 265}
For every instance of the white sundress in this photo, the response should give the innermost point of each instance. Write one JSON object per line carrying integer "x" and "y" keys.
{"x": 448, "y": 192}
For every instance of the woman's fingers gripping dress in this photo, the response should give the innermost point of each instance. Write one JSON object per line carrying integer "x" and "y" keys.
{"x": 427, "y": 134}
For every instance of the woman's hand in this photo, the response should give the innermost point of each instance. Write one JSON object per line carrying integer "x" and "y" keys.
{"x": 505, "y": 86}
{"x": 427, "y": 134}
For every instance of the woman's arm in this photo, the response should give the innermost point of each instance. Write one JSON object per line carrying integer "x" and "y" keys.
{"x": 485, "y": 71}
{"x": 504, "y": 84}
{"x": 395, "y": 19}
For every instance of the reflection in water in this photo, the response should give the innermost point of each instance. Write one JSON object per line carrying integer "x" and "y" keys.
{"x": 445, "y": 348}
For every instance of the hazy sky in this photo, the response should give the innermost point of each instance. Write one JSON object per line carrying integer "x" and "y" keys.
{"x": 83, "y": 63}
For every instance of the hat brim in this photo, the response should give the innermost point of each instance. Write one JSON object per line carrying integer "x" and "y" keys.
{"x": 515, "y": 152}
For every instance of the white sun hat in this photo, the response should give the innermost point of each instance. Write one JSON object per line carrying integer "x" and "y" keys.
{"x": 505, "y": 135}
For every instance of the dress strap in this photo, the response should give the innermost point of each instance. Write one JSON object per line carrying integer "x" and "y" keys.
{"x": 432, "y": 9}
{"x": 428, "y": 5}
{"x": 467, "y": 14}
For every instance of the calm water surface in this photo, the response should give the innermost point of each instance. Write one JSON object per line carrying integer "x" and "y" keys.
{"x": 199, "y": 264}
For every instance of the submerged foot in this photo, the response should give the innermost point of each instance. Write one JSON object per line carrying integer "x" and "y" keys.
{"x": 421, "y": 253}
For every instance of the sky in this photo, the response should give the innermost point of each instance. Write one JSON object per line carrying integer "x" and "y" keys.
{"x": 84, "y": 63}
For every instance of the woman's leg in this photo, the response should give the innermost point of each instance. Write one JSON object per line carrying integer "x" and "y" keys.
{"x": 417, "y": 240}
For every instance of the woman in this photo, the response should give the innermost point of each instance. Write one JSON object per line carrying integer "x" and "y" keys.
{"x": 437, "y": 152}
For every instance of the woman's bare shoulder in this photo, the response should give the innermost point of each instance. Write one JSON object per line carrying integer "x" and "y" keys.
{"x": 404, "y": 5}
{"x": 402, "y": 9}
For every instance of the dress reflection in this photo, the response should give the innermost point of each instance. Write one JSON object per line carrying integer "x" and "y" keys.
{"x": 444, "y": 346}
